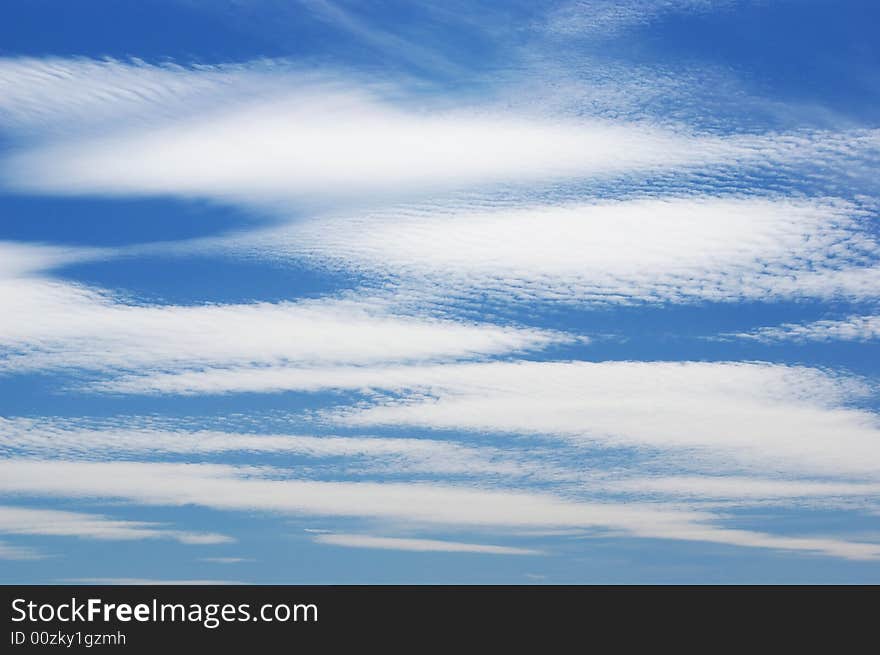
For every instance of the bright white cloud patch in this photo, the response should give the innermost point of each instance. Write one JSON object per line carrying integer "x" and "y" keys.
{"x": 96, "y": 93}
{"x": 654, "y": 249}
{"x": 102, "y": 334}
{"x": 282, "y": 134}
{"x": 600, "y": 19}
{"x": 20, "y": 262}
{"x": 759, "y": 415}
{"x": 733, "y": 487}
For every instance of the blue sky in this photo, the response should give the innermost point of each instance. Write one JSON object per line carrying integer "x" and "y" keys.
{"x": 460, "y": 292}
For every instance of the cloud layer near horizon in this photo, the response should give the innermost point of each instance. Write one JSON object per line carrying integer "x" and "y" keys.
{"x": 231, "y": 488}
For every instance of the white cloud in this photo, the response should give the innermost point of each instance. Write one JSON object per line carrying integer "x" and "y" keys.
{"x": 246, "y": 488}
{"x": 748, "y": 414}
{"x": 241, "y": 489}
{"x": 851, "y": 328}
{"x": 314, "y": 146}
{"x": 686, "y": 250}
{"x": 283, "y": 135}
{"x": 270, "y": 137}
{"x": 47, "y": 522}
{"x": 391, "y": 42}
{"x": 98, "y": 93}
{"x": 683, "y": 249}
{"x": 62, "y": 325}
{"x": 267, "y": 131}
{"x": 740, "y": 487}
{"x": 418, "y": 545}
{"x": 8, "y": 551}
{"x": 82, "y": 330}
{"x": 771, "y": 416}
{"x": 362, "y": 455}
{"x": 21, "y": 261}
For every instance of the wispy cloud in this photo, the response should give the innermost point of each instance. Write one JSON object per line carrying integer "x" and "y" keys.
{"x": 56, "y": 523}
{"x": 670, "y": 249}
{"x": 97, "y": 333}
{"x": 127, "y": 437}
{"x": 756, "y": 414}
{"x": 23, "y": 262}
{"x": 62, "y": 325}
{"x": 107, "y": 93}
{"x": 418, "y": 545}
{"x": 314, "y": 135}
{"x": 851, "y": 328}
{"x": 238, "y": 488}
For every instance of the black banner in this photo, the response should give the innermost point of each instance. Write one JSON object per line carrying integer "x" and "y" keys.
{"x": 148, "y": 618}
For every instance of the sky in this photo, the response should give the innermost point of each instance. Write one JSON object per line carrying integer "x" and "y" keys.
{"x": 332, "y": 292}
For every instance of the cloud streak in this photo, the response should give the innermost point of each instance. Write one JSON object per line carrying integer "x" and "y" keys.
{"x": 762, "y": 415}
{"x": 56, "y": 523}
{"x": 851, "y": 328}
{"x": 62, "y": 325}
{"x": 10, "y": 552}
{"x": 418, "y": 545}
{"x": 238, "y": 489}
{"x": 284, "y": 134}
{"x": 672, "y": 249}
{"x": 127, "y": 437}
